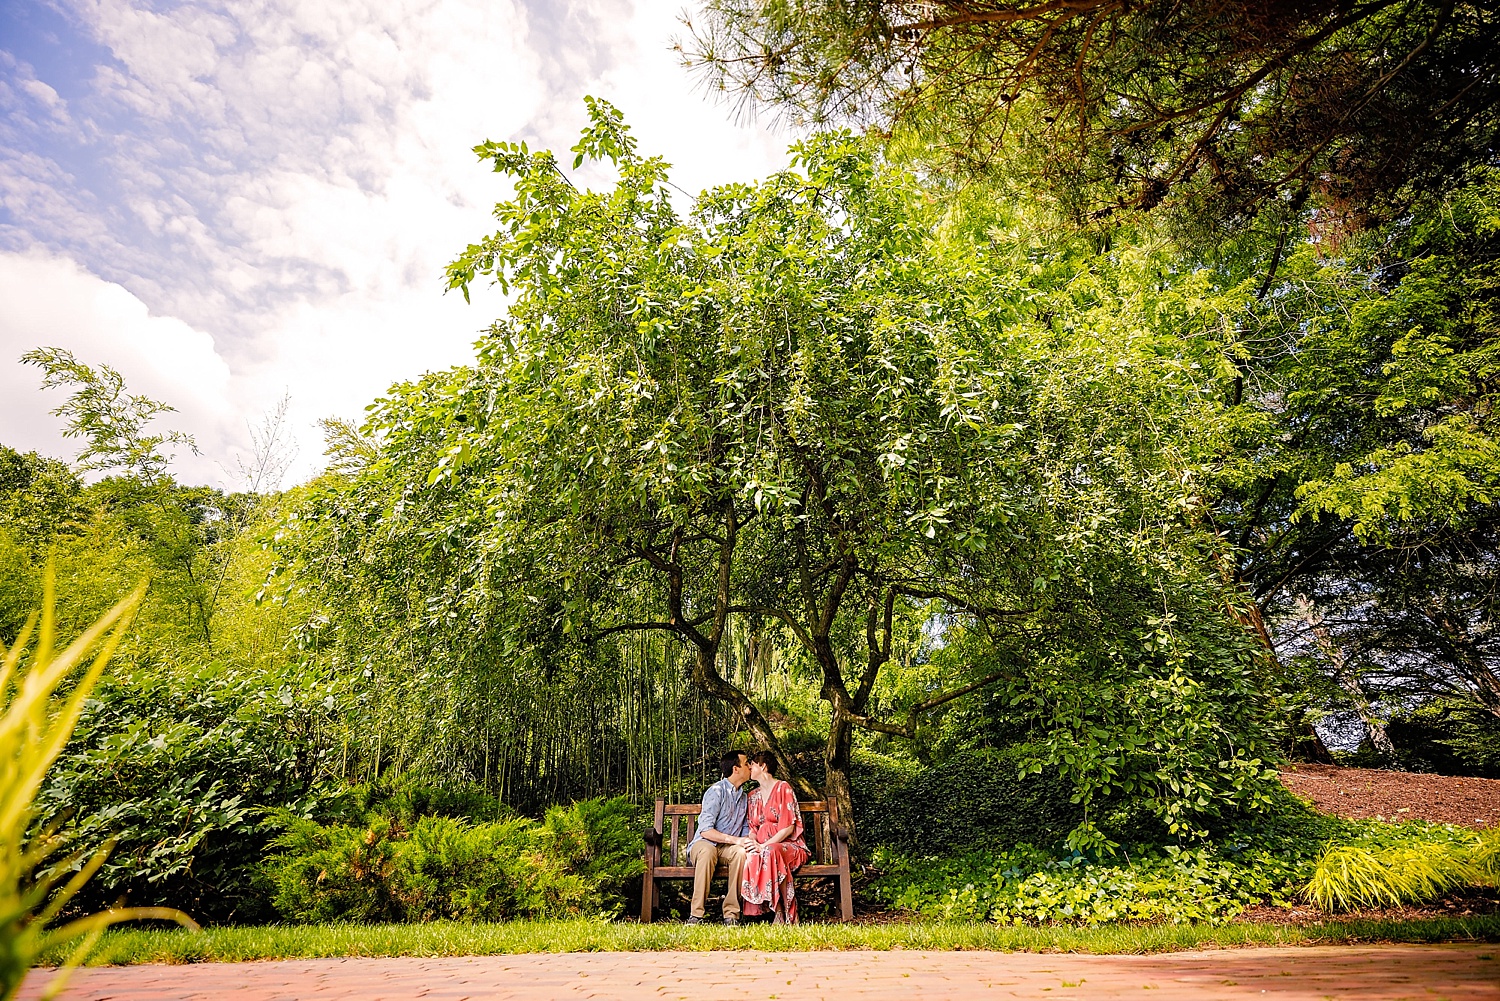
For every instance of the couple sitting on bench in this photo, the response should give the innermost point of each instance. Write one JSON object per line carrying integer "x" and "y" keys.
{"x": 758, "y": 837}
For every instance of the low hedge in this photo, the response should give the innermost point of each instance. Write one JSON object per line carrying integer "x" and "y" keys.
{"x": 973, "y": 800}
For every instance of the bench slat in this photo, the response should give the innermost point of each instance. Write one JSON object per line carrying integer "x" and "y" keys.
{"x": 693, "y": 809}
{"x": 687, "y": 871}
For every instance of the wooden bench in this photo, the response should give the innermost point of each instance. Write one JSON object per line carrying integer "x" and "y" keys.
{"x": 666, "y": 850}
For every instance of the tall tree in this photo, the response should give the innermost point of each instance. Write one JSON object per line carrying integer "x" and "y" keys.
{"x": 1361, "y": 465}
{"x": 1219, "y": 108}
{"x": 189, "y": 530}
{"x": 798, "y": 409}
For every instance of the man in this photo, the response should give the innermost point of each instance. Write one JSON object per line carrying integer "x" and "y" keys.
{"x": 723, "y": 827}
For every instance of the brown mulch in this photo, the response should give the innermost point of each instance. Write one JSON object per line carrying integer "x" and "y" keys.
{"x": 1460, "y": 904}
{"x": 1373, "y": 794}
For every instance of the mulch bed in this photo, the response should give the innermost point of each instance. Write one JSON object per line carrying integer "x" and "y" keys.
{"x": 1460, "y": 904}
{"x": 1373, "y": 794}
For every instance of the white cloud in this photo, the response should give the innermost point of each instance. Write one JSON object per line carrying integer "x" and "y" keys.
{"x": 290, "y": 178}
{"x": 52, "y": 302}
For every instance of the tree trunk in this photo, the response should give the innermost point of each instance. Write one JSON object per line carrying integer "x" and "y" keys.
{"x": 1374, "y": 726}
{"x": 708, "y": 680}
{"x": 1305, "y": 743}
{"x": 1464, "y": 654}
{"x": 836, "y": 762}
{"x": 1349, "y": 681}
{"x": 1308, "y": 746}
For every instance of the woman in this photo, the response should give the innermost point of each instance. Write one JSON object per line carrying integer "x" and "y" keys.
{"x": 775, "y": 847}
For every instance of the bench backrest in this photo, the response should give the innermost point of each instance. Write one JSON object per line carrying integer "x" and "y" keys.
{"x": 676, "y": 823}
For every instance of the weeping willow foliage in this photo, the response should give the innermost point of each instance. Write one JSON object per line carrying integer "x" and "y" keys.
{"x": 893, "y": 421}
{"x": 430, "y": 699}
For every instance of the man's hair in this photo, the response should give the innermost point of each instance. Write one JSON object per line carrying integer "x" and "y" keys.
{"x": 767, "y": 760}
{"x": 729, "y": 761}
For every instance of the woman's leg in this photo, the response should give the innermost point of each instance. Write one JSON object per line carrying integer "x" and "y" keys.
{"x": 786, "y": 859}
{"x": 753, "y": 879}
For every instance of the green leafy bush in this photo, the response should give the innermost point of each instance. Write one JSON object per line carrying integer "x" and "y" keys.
{"x": 1273, "y": 857}
{"x": 441, "y": 867}
{"x": 1449, "y": 738}
{"x": 181, "y": 773}
{"x": 576, "y": 861}
{"x": 599, "y": 841}
{"x": 335, "y": 873}
{"x": 408, "y": 799}
{"x": 1029, "y": 886}
{"x": 974, "y": 799}
{"x": 1252, "y": 857}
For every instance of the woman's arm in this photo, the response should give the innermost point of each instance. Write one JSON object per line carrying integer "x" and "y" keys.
{"x": 782, "y": 834}
{"x": 785, "y": 832}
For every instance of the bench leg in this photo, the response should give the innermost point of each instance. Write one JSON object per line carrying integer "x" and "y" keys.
{"x": 846, "y": 896}
{"x": 648, "y": 893}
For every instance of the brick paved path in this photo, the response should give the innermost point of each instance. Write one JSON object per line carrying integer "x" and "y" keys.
{"x": 1366, "y": 973}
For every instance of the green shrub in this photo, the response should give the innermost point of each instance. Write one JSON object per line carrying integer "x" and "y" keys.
{"x": 1449, "y": 738}
{"x": 1252, "y": 857}
{"x": 468, "y": 801}
{"x": 180, "y": 772}
{"x": 576, "y": 861}
{"x": 409, "y": 800}
{"x": 974, "y": 799}
{"x": 1028, "y": 886}
{"x": 599, "y": 840}
{"x": 336, "y": 873}
{"x": 450, "y": 869}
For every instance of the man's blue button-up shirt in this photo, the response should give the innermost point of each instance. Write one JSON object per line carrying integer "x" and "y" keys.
{"x": 725, "y": 809}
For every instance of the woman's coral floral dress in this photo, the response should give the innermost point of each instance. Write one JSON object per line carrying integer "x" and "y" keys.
{"x": 767, "y": 880}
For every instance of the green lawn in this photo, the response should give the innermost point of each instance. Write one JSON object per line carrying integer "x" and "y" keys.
{"x": 444, "y": 939}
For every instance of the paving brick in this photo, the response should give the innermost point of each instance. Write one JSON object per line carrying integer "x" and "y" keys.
{"x": 1351, "y": 973}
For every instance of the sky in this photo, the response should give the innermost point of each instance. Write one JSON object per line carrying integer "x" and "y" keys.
{"x": 236, "y": 201}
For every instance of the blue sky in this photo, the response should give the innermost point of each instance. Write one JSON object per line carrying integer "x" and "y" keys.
{"x": 239, "y": 199}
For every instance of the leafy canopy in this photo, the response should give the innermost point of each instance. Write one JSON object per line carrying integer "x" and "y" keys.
{"x": 1220, "y": 109}
{"x": 796, "y": 409}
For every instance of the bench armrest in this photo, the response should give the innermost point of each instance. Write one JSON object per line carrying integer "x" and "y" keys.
{"x": 652, "y": 837}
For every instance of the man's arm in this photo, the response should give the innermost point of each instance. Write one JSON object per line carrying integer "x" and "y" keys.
{"x": 708, "y": 819}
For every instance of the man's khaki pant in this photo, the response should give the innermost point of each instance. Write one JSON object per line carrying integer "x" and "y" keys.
{"x": 705, "y": 855}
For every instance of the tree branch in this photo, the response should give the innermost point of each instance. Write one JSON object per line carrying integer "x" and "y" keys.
{"x": 983, "y": 611}
{"x": 910, "y": 729}
{"x": 633, "y": 627}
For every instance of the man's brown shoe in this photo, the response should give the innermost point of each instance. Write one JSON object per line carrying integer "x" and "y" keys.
{"x": 731, "y": 921}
